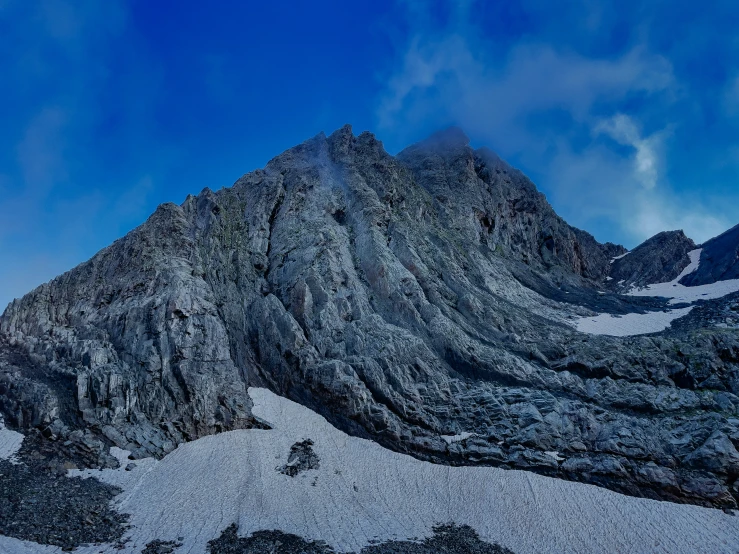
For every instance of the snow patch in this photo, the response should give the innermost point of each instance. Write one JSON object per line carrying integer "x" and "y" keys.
{"x": 10, "y": 442}
{"x": 363, "y": 492}
{"x": 680, "y": 294}
{"x": 449, "y": 439}
{"x": 619, "y": 257}
{"x": 627, "y": 325}
{"x": 554, "y": 455}
{"x": 653, "y": 322}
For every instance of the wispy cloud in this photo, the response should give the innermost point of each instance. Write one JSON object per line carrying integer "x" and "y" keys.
{"x": 624, "y": 130}
{"x": 453, "y": 77}
{"x": 576, "y": 121}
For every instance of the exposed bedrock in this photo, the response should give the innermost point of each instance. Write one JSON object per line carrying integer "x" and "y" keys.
{"x": 719, "y": 260}
{"x": 404, "y": 298}
{"x": 657, "y": 260}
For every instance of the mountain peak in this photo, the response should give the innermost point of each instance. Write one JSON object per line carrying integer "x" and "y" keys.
{"x": 410, "y": 299}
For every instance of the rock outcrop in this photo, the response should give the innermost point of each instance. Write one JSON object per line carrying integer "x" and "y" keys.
{"x": 405, "y": 298}
{"x": 719, "y": 260}
{"x": 657, "y": 260}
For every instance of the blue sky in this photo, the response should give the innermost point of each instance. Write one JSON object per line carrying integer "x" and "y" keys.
{"x": 625, "y": 114}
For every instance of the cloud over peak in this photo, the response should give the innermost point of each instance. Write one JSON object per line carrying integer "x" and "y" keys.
{"x": 593, "y": 121}
{"x": 624, "y": 130}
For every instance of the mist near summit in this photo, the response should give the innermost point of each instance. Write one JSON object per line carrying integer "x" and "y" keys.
{"x": 601, "y": 105}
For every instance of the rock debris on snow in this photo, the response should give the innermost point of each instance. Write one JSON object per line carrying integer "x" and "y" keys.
{"x": 207, "y": 489}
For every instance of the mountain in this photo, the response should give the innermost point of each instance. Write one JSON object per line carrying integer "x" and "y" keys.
{"x": 657, "y": 260}
{"x": 719, "y": 260}
{"x": 229, "y": 493}
{"x": 432, "y": 302}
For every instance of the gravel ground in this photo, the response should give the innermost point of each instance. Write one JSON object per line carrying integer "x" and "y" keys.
{"x": 161, "y": 547}
{"x": 264, "y": 542}
{"x": 447, "y": 539}
{"x": 39, "y": 503}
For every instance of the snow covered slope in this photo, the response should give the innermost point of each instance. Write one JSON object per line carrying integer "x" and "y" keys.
{"x": 681, "y": 294}
{"x": 363, "y": 492}
{"x": 653, "y": 322}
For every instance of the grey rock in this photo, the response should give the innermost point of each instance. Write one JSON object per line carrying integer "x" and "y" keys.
{"x": 446, "y": 539}
{"x": 719, "y": 260}
{"x": 301, "y": 458}
{"x": 161, "y": 547}
{"x": 403, "y": 298}
{"x": 717, "y": 454}
{"x": 657, "y": 260}
{"x": 492, "y": 204}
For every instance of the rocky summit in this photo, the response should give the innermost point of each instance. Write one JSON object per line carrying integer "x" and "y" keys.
{"x": 427, "y": 301}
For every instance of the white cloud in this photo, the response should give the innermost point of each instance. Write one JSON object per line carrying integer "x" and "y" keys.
{"x": 596, "y": 185}
{"x": 624, "y": 130}
{"x": 657, "y": 211}
{"x": 453, "y": 77}
{"x": 450, "y": 78}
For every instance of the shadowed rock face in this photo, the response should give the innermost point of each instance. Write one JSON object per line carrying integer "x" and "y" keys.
{"x": 404, "y": 299}
{"x": 719, "y": 260}
{"x": 657, "y": 260}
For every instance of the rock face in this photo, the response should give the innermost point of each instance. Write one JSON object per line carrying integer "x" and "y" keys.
{"x": 490, "y": 203}
{"x": 719, "y": 260}
{"x": 657, "y": 260}
{"x": 405, "y": 298}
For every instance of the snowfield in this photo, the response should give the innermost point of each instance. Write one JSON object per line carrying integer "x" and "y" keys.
{"x": 680, "y": 294}
{"x": 627, "y": 325}
{"x": 363, "y": 492}
{"x": 653, "y": 322}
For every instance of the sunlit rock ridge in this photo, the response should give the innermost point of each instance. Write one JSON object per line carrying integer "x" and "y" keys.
{"x": 429, "y": 301}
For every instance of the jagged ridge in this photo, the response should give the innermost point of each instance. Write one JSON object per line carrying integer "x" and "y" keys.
{"x": 404, "y": 298}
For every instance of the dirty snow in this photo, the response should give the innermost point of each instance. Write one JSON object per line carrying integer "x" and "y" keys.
{"x": 10, "y": 442}
{"x": 363, "y": 492}
{"x": 653, "y": 322}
